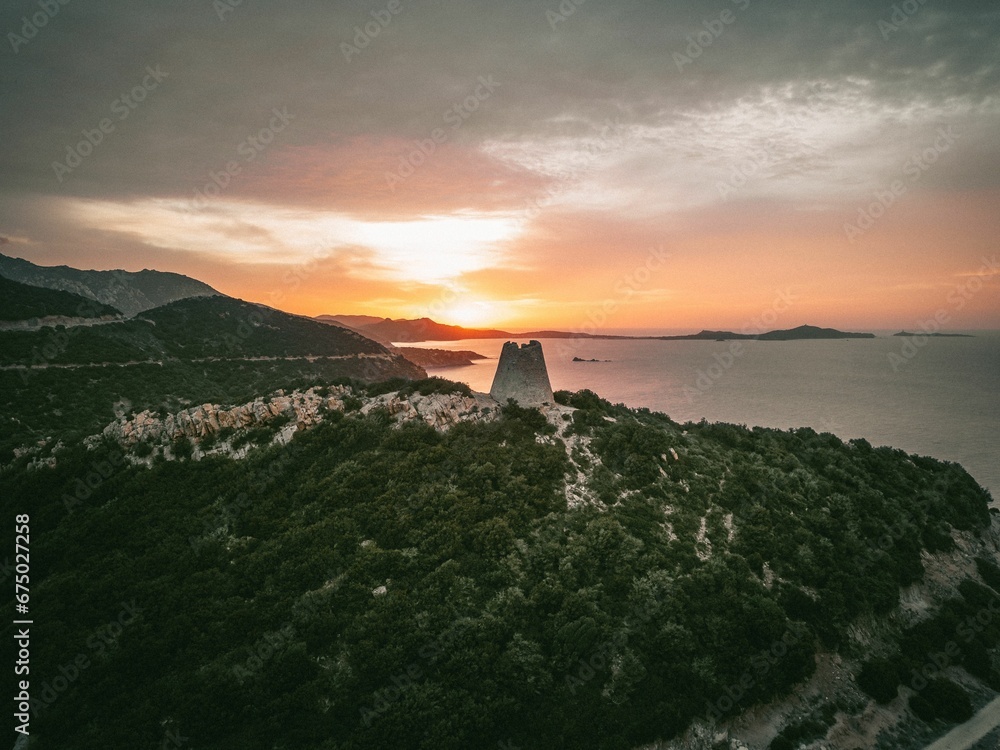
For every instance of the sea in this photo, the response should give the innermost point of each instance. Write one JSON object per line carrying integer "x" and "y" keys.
{"x": 937, "y": 397}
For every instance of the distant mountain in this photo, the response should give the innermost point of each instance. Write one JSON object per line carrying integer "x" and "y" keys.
{"x": 204, "y": 328}
{"x": 420, "y": 356}
{"x": 422, "y": 329}
{"x": 130, "y": 292}
{"x": 425, "y": 329}
{"x": 23, "y": 302}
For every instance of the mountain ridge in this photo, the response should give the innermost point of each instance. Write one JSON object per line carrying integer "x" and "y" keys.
{"x": 426, "y": 329}
{"x": 131, "y": 292}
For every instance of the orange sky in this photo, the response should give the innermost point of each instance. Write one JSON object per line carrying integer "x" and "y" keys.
{"x": 571, "y": 175}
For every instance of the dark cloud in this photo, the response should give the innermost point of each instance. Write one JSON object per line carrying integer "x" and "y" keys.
{"x": 605, "y": 60}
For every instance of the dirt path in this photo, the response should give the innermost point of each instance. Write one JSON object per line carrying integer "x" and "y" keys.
{"x": 969, "y": 733}
{"x": 132, "y": 363}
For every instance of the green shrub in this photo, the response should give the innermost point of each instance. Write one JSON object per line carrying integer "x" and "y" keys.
{"x": 181, "y": 447}
{"x": 942, "y": 699}
{"x": 142, "y": 449}
{"x": 352, "y": 403}
{"x": 880, "y": 679}
{"x": 989, "y": 572}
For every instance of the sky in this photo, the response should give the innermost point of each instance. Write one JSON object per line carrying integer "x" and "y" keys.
{"x": 582, "y": 165}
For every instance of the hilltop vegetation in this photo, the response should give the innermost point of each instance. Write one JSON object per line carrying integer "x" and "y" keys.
{"x": 372, "y": 585}
{"x": 195, "y": 328}
{"x": 24, "y": 302}
{"x": 66, "y": 383}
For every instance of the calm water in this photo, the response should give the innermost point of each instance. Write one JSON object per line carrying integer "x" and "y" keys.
{"x": 942, "y": 401}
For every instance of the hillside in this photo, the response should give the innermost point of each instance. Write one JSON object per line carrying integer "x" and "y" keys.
{"x": 193, "y": 350}
{"x": 25, "y": 302}
{"x": 585, "y": 577}
{"x": 130, "y": 292}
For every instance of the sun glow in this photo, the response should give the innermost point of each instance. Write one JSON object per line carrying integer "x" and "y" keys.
{"x": 428, "y": 250}
{"x": 470, "y": 313}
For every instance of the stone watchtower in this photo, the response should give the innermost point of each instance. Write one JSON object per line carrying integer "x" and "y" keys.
{"x": 521, "y": 375}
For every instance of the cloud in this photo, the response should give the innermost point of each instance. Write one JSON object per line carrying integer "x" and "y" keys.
{"x": 594, "y": 142}
{"x": 427, "y": 249}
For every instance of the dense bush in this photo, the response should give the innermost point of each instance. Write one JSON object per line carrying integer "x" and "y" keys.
{"x": 989, "y": 572}
{"x": 372, "y": 585}
{"x": 811, "y": 728}
{"x": 942, "y": 699}
{"x": 880, "y": 679}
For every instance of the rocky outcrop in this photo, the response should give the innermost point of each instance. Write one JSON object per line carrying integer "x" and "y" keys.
{"x": 298, "y": 410}
{"x": 304, "y": 409}
{"x": 439, "y": 410}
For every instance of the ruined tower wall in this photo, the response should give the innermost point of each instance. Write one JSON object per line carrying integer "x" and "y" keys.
{"x": 522, "y": 375}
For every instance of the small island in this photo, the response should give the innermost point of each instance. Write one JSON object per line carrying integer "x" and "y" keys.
{"x": 937, "y": 335}
{"x": 580, "y": 359}
{"x": 792, "y": 334}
